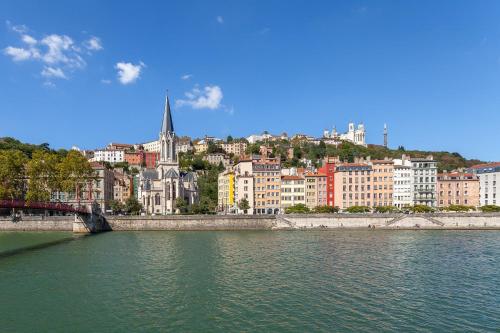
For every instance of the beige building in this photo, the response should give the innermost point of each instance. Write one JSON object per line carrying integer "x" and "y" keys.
{"x": 382, "y": 182}
{"x": 353, "y": 185}
{"x": 458, "y": 188}
{"x": 235, "y": 147}
{"x": 292, "y": 191}
{"x": 123, "y": 187}
{"x": 316, "y": 192}
{"x": 267, "y": 182}
{"x": 216, "y": 159}
{"x": 200, "y": 146}
{"x": 244, "y": 185}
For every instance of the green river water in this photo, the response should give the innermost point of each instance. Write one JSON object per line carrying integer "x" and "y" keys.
{"x": 251, "y": 281}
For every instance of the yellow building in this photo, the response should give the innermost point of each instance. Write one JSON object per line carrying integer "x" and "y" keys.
{"x": 226, "y": 192}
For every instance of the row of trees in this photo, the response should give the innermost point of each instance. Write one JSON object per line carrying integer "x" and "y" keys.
{"x": 36, "y": 176}
{"x": 303, "y": 209}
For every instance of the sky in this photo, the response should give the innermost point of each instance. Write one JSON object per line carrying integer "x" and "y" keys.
{"x": 88, "y": 73}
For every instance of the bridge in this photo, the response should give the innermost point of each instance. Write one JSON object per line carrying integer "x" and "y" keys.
{"x": 87, "y": 219}
{"x": 45, "y": 206}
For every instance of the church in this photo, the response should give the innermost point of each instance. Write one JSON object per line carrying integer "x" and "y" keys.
{"x": 160, "y": 187}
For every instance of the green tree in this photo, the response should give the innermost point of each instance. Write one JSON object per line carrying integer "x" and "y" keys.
{"x": 133, "y": 206}
{"x": 326, "y": 209}
{"x": 12, "y": 174}
{"x": 75, "y": 172}
{"x": 43, "y": 178}
{"x": 297, "y": 209}
{"x": 244, "y": 205}
{"x": 116, "y": 206}
{"x": 181, "y": 205}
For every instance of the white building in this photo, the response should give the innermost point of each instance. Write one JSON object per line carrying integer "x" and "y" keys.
{"x": 354, "y": 135}
{"x": 108, "y": 155}
{"x": 244, "y": 185}
{"x": 489, "y": 176}
{"x": 255, "y": 137}
{"x": 424, "y": 174}
{"x": 403, "y": 187}
{"x": 152, "y": 146}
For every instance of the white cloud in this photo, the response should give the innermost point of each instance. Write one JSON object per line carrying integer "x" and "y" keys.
{"x": 93, "y": 44}
{"x": 105, "y": 81}
{"x": 29, "y": 40}
{"x": 61, "y": 49}
{"x": 186, "y": 76}
{"x": 58, "y": 53}
{"x": 53, "y": 72}
{"x": 220, "y": 19}
{"x": 128, "y": 72}
{"x": 209, "y": 97}
{"x": 17, "y": 53}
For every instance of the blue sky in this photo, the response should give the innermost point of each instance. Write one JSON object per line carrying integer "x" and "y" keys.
{"x": 92, "y": 72}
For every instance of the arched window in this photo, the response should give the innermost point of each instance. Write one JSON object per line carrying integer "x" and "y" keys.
{"x": 168, "y": 191}
{"x": 157, "y": 199}
{"x": 173, "y": 191}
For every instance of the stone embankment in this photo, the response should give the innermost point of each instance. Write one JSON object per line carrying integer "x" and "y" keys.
{"x": 439, "y": 221}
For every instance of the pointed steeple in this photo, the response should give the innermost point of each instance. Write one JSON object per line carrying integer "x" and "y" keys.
{"x": 168, "y": 125}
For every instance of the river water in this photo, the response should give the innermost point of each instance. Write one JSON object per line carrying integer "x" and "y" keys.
{"x": 251, "y": 281}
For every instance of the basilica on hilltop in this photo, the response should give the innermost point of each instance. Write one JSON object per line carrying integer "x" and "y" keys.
{"x": 160, "y": 187}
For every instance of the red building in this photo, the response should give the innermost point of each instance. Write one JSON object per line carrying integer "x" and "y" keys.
{"x": 328, "y": 169}
{"x": 150, "y": 159}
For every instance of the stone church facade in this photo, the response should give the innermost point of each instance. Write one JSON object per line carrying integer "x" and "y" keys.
{"x": 160, "y": 187}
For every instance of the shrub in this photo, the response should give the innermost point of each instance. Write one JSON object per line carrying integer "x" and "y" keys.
{"x": 459, "y": 208}
{"x": 326, "y": 209}
{"x": 386, "y": 209}
{"x": 297, "y": 209}
{"x": 490, "y": 209}
{"x": 421, "y": 209}
{"x": 358, "y": 209}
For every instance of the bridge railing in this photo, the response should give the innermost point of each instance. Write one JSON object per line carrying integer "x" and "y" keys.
{"x": 54, "y": 206}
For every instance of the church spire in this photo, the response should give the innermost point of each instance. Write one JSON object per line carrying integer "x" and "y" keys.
{"x": 168, "y": 125}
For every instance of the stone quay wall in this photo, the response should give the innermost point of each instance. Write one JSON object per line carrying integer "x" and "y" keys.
{"x": 38, "y": 223}
{"x": 192, "y": 222}
{"x": 443, "y": 221}
{"x": 391, "y": 221}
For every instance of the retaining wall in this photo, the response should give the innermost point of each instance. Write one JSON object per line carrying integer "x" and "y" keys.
{"x": 192, "y": 222}
{"x": 38, "y": 223}
{"x": 265, "y": 222}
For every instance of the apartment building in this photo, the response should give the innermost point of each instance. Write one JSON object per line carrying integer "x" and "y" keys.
{"x": 217, "y": 158}
{"x": 382, "y": 182}
{"x": 457, "y": 188}
{"x": 123, "y": 187}
{"x": 244, "y": 185}
{"x": 267, "y": 182}
{"x": 403, "y": 188}
{"x": 237, "y": 148}
{"x": 424, "y": 173}
{"x": 353, "y": 185}
{"x": 316, "y": 190}
{"x": 292, "y": 191}
{"x": 226, "y": 192}
{"x": 108, "y": 155}
{"x": 489, "y": 176}
{"x": 328, "y": 169}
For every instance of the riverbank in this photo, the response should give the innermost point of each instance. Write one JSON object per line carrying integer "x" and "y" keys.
{"x": 443, "y": 221}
